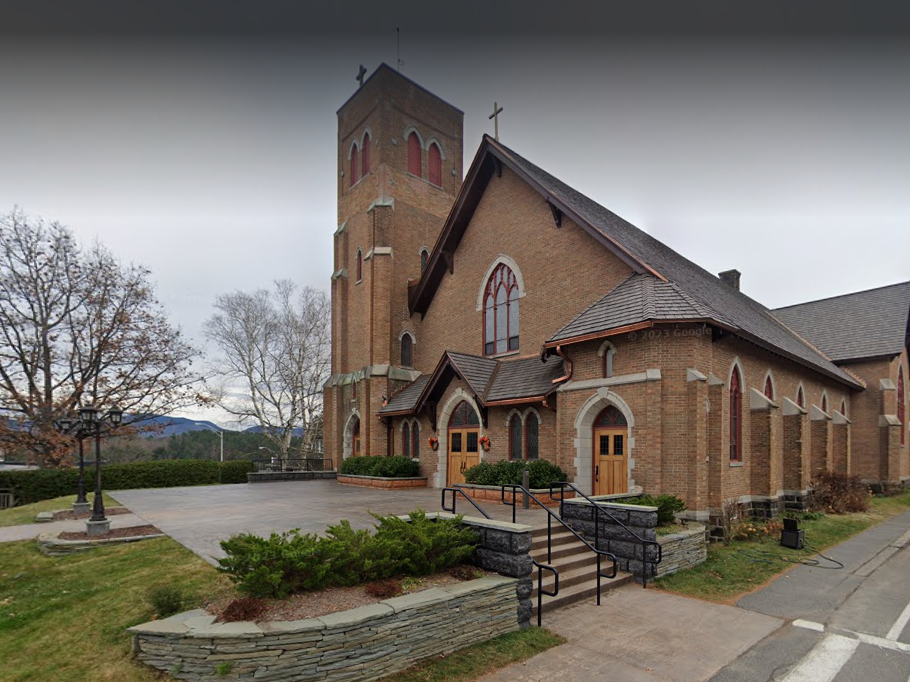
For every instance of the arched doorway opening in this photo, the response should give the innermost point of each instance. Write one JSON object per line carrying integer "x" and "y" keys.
{"x": 610, "y": 470}
{"x": 464, "y": 448}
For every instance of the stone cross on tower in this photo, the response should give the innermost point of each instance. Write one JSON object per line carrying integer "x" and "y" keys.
{"x": 495, "y": 116}
{"x": 361, "y": 74}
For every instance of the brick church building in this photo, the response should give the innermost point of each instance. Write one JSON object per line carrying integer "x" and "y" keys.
{"x": 500, "y": 314}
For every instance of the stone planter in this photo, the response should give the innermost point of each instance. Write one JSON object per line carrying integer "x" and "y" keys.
{"x": 265, "y": 476}
{"x": 50, "y": 544}
{"x": 683, "y": 550}
{"x": 493, "y": 493}
{"x": 361, "y": 644}
{"x": 382, "y": 482}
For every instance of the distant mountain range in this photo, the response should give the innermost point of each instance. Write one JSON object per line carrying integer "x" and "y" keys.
{"x": 175, "y": 426}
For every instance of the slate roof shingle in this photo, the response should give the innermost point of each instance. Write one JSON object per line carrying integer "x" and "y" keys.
{"x": 863, "y": 324}
{"x": 406, "y": 398}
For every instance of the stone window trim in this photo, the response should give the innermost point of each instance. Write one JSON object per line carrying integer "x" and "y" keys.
{"x": 348, "y": 433}
{"x": 607, "y": 351}
{"x": 800, "y": 396}
{"x": 435, "y": 140}
{"x": 501, "y": 259}
{"x": 401, "y": 341}
{"x": 424, "y": 254}
{"x": 823, "y": 404}
{"x": 413, "y": 129}
{"x": 584, "y": 436}
{"x": 769, "y": 382}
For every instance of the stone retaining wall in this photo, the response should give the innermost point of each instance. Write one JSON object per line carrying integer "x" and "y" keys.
{"x": 382, "y": 482}
{"x": 579, "y": 514}
{"x": 682, "y": 550}
{"x": 361, "y": 644}
{"x": 262, "y": 476}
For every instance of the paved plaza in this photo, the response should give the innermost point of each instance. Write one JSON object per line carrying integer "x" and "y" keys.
{"x": 201, "y": 517}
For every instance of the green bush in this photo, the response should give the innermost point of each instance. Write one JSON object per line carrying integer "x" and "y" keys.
{"x": 288, "y": 563}
{"x": 387, "y": 467}
{"x": 509, "y": 472}
{"x": 667, "y": 506}
{"x": 168, "y": 600}
{"x": 46, "y": 484}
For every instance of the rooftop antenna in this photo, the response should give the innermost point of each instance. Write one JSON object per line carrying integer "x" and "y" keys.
{"x": 361, "y": 74}
{"x": 398, "y": 37}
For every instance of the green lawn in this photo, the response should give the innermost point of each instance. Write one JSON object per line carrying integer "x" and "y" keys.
{"x": 27, "y": 512}
{"x": 741, "y": 567}
{"x": 64, "y": 618}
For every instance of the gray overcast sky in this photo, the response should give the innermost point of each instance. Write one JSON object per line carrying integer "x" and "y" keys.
{"x": 200, "y": 140}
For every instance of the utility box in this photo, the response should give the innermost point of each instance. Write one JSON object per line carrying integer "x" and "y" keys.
{"x": 792, "y": 536}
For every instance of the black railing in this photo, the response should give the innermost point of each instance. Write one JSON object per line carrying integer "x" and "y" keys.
{"x": 550, "y": 517}
{"x": 282, "y": 464}
{"x": 455, "y": 492}
{"x": 562, "y": 485}
{"x": 541, "y": 592}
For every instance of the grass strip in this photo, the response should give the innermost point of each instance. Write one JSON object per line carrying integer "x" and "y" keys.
{"x": 734, "y": 570}
{"x": 479, "y": 659}
{"x": 64, "y": 618}
{"x": 17, "y": 516}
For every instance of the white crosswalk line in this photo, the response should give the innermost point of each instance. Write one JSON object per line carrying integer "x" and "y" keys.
{"x": 899, "y": 624}
{"x": 824, "y": 661}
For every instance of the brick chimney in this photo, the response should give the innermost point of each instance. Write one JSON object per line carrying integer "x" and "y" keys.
{"x": 730, "y": 278}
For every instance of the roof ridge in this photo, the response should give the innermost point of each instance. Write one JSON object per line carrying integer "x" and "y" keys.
{"x": 847, "y": 295}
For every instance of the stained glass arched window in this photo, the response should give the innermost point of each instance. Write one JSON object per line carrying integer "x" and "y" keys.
{"x": 900, "y": 403}
{"x": 800, "y": 398}
{"x": 424, "y": 259}
{"x": 736, "y": 410}
{"x": 464, "y": 416}
{"x": 407, "y": 351}
{"x": 610, "y": 417}
{"x": 406, "y": 440}
{"x": 415, "y": 436}
{"x": 532, "y": 431}
{"x": 500, "y": 312}
{"x": 515, "y": 437}
{"x": 769, "y": 388}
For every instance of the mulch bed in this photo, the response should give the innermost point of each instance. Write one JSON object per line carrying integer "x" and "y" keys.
{"x": 70, "y": 515}
{"x": 130, "y": 532}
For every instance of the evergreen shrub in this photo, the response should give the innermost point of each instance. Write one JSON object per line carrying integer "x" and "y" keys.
{"x": 289, "y": 563}
{"x": 667, "y": 506}
{"x": 387, "y": 467}
{"x": 509, "y": 472}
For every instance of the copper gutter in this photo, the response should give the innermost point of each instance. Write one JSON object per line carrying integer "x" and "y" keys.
{"x": 565, "y": 358}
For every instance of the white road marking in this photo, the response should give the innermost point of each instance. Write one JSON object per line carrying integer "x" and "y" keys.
{"x": 824, "y": 661}
{"x": 899, "y": 624}
{"x": 808, "y": 625}
{"x": 883, "y": 643}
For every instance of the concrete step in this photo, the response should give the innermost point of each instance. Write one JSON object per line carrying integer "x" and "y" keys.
{"x": 570, "y": 594}
{"x": 563, "y": 537}
{"x": 570, "y": 562}
{"x": 575, "y": 572}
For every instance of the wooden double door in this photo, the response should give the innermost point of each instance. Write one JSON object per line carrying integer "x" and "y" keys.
{"x": 464, "y": 452}
{"x": 611, "y": 473}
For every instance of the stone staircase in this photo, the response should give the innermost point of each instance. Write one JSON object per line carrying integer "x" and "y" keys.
{"x": 577, "y": 566}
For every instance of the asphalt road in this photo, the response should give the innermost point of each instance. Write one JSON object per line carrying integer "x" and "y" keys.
{"x": 840, "y": 625}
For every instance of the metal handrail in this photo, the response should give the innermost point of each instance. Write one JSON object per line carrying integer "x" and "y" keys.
{"x": 601, "y": 510}
{"x": 540, "y": 591}
{"x": 550, "y": 516}
{"x": 285, "y": 464}
{"x": 455, "y": 492}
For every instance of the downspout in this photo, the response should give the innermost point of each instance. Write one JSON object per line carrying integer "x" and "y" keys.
{"x": 568, "y": 363}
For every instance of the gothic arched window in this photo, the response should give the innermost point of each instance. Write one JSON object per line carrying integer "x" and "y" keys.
{"x": 415, "y": 436}
{"x": 825, "y": 403}
{"x": 365, "y": 155}
{"x": 414, "y": 154}
{"x": 515, "y": 437}
{"x": 900, "y": 402}
{"x": 532, "y": 431}
{"x": 407, "y": 351}
{"x": 434, "y": 160}
{"x": 800, "y": 398}
{"x": 500, "y": 312}
{"x": 406, "y": 440}
{"x": 736, "y": 410}
{"x": 359, "y": 265}
{"x": 355, "y": 165}
{"x": 424, "y": 259}
{"x": 464, "y": 416}
{"x": 769, "y": 388}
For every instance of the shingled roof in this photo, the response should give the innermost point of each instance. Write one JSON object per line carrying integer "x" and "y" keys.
{"x": 491, "y": 381}
{"x": 679, "y": 289}
{"x": 864, "y": 324}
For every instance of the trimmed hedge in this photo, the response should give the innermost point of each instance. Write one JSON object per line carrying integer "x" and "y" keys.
{"x": 509, "y": 472}
{"x": 387, "y": 467}
{"x": 46, "y": 484}
{"x": 667, "y": 506}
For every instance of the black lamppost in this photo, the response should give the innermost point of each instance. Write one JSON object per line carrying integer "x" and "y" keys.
{"x": 92, "y": 422}
{"x": 74, "y": 427}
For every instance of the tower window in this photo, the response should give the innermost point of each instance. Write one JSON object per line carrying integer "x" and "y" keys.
{"x": 500, "y": 312}
{"x": 434, "y": 159}
{"x": 365, "y": 154}
{"x": 736, "y": 408}
{"x": 414, "y": 155}
{"x": 424, "y": 259}
{"x": 355, "y": 165}
{"x": 407, "y": 351}
{"x": 359, "y": 265}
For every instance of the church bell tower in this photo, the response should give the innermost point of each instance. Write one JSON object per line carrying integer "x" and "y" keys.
{"x": 400, "y": 151}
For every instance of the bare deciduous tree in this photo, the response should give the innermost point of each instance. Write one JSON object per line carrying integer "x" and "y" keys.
{"x": 77, "y": 327}
{"x": 276, "y": 345}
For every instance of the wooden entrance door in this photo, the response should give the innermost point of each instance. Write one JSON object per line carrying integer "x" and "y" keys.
{"x": 464, "y": 446}
{"x": 610, "y": 453}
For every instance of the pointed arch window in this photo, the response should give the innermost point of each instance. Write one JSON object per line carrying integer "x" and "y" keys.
{"x": 406, "y": 440}
{"x": 736, "y": 410}
{"x": 825, "y": 403}
{"x": 800, "y": 399}
{"x": 407, "y": 351}
{"x": 532, "y": 431}
{"x": 359, "y": 265}
{"x": 900, "y": 403}
{"x": 500, "y": 312}
{"x": 843, "y": 407}
{"x": 464, "y": 416}
{"x": 434, "y": 161}
{"x": 424, "y": 259}
{"x": 608, "y": 363}
{"x": 415, "y": 438}
{"x": 414, "y": 154}
{"x": 515, "y": 437}
{"x": 769, "y": 388}
{"x": 365, "y": 155}
{"x": 355, "y": 165}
